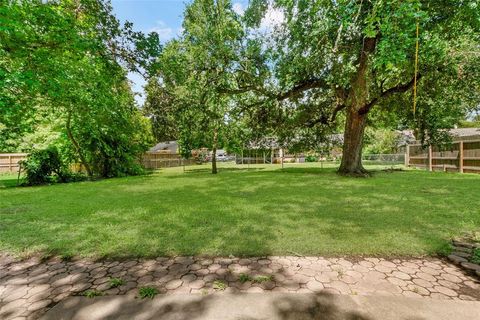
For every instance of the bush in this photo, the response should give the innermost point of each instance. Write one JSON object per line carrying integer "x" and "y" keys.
{"x": 46, "y": 166}
{"x": 476, "y": 256}
{"x": 311, "y": 159}
{"x": 147, "y": 292}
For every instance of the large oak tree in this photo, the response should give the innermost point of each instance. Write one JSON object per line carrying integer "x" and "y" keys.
{"x": 358, "y": 57}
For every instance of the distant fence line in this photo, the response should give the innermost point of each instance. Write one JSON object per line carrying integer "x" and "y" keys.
{"x": 9, "y": 162}
{"x": 157, "y": 160}
{"x": 459, "y": 156}
{"x": 393, "y": 158}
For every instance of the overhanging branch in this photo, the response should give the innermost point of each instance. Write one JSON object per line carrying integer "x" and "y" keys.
{"x": 400, "y": 88}
{"x": 244, "y": 89}
{"x": 293, "y": 92}
{"x": 324, "y": 119}
{"x": 301, "y": 87}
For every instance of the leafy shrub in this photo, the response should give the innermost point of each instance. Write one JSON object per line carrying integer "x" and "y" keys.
{"x": 113, "y": 146}
{"x": 45, "y": 166}
{"x": 244, "y": 278}
{"x": 116, "y": 282}
{"x": 66, "y": 257}
{"x": 219, "y": 285}
{"x": 381, "y": 141}
{"x": 311, "y": 159}
{"x": 147, "y": 292}
{"x": 476, "y": 256}
{"x": 92, "y": 293}
{"x": 260, "y": 279}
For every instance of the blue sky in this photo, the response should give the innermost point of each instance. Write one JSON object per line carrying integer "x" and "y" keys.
{"x": 162, "y": 16}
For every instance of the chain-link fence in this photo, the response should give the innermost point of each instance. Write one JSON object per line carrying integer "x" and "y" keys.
{"x": 384, "y": 159}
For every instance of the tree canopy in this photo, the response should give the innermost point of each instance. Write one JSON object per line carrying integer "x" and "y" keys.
{"x": 296, "y": 70}
{"x": 63, "y": 67}
{"x": 325, "y": 65}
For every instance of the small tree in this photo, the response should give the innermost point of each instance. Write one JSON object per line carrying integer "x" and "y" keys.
{"x": 196, "y": 72}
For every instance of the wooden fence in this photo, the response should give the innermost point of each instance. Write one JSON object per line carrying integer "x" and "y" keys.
{"x": 459, "y": 156}
{"x": 9, "y": 161}
{"x": 156, "y": 160}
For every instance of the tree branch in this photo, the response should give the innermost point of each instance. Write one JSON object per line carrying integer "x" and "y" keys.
{"x": 301, "y": 87}
{"x": 400, "y": 88}
{"x": 324, "y": 119}
{"x": 338, "y": 108}
{"x": 295, "y": 91}
{"x": 241, "y": 90}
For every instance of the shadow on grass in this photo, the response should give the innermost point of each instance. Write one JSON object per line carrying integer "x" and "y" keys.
{"x": 279, "y": 171}
{"x": 241, "y": 212}
{"x": 9, "y": 183}
{"x": 222, "y": 170}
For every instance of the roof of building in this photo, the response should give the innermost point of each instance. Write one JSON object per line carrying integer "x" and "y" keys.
{"x": 171, "y": 146}
{"x": 465, "y": 132}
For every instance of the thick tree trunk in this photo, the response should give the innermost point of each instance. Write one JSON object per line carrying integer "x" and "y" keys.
{"x": 353, "y": 142}
{"x": 214, "y": 152}
{"x": 356, "y": 120}
{"x": 77, "y": 146}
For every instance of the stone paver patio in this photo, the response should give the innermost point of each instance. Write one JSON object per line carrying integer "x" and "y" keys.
{"x": 29, "y": 288}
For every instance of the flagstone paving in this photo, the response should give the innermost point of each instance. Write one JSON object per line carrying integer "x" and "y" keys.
{"x": 29, "y": 288}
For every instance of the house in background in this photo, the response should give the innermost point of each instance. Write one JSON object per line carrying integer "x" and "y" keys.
{"x": 267, "y": 150}
{"x": 465, "y": 134}
{"x": 170, "y": 147}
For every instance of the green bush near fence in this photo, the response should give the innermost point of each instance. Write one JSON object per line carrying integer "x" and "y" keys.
{"x": 45, "y": 166}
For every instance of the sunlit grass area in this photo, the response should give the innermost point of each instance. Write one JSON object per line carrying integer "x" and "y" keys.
{"x": 244, "y": 210}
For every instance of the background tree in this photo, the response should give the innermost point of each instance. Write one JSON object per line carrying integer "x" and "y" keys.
{"x": 159, "y": 107}
{"x": 197, "y": 75}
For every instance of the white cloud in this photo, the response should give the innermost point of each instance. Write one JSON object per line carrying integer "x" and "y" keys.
{"x": 165, "y": 32}
{"x": 238, "y": 8}
{"x": 273, "y": 17}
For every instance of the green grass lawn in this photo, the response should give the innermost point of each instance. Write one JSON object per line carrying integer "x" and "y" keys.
{"x": 244, "y": 211}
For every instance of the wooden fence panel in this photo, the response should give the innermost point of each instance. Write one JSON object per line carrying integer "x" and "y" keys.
{"x": 9, "y": 161}
{"x": 459, "y": 156}
{"x": 157, "y": 160}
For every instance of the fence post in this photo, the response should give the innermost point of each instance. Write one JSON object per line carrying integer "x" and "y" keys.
{"x": 460, "y": 160}
{"x": 10, "y": 163}
{"x": 430, "y": 160}
{"x": 407, "y": 156}
{"x": 282, "y": 155}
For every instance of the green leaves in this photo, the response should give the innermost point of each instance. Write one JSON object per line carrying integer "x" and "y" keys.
{"x": 198, "y": 73}
{"x": 63, "y": 71}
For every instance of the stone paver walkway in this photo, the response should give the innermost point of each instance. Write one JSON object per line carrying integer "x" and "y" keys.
{"x": 29, "y": 288}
